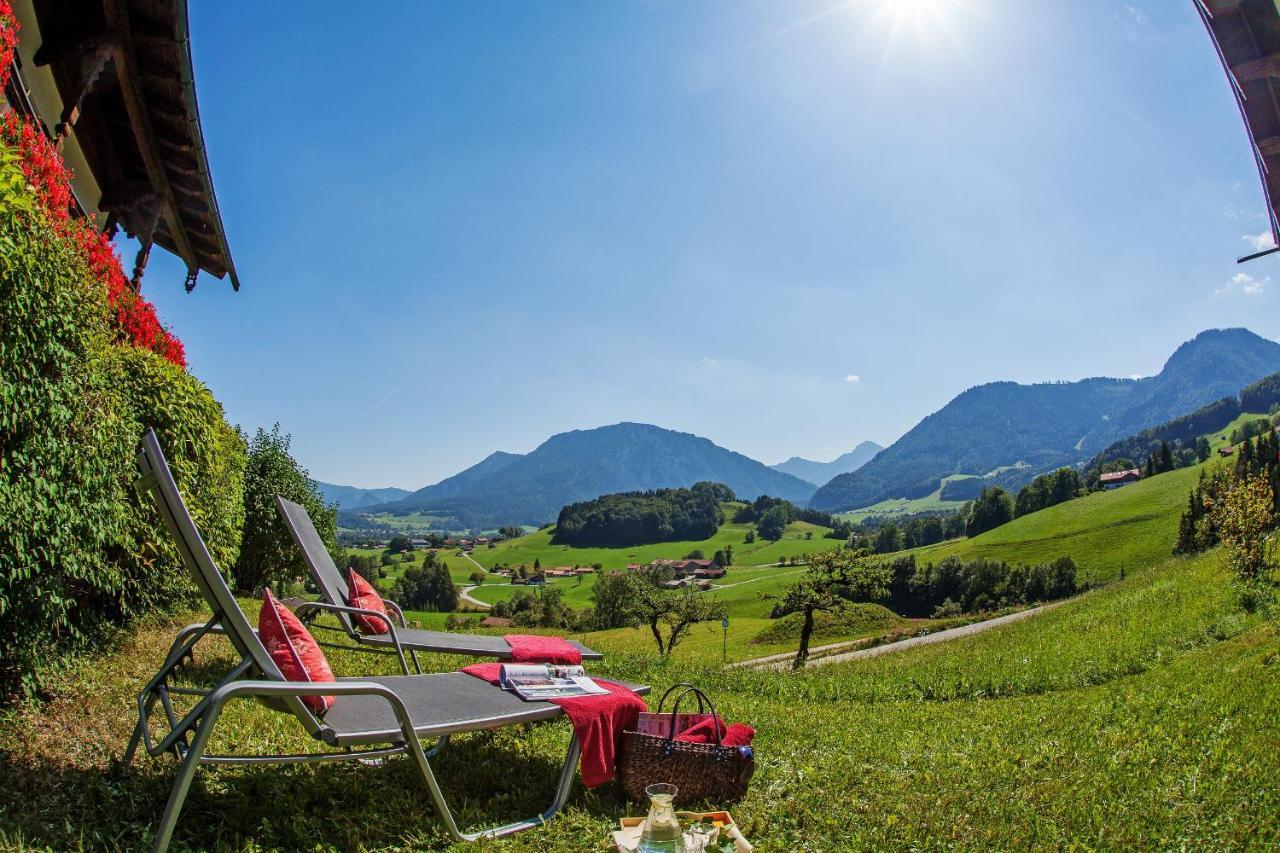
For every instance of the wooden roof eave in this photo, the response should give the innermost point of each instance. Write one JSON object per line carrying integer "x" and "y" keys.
{"x": 197, "y": 152}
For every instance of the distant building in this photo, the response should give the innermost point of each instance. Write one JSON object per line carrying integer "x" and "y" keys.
{"x": 1116, "y": 479}
{"x": 1226, "y": 452}
{"x": 584, "y": 570}
{"x": 712, "y": 572}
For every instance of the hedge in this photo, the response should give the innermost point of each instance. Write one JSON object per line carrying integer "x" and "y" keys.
{"x": 80, "y": 552}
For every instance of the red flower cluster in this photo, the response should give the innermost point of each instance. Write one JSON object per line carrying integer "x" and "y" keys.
{"x": 42, "y": 165}
{"x": 8, "y": 40}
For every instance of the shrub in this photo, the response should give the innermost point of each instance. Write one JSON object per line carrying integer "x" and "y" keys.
{"x": 268, "y": 557}
{"x": 79, "y": 551}
{"x": 207, "y": 457}
{"x": 63, "y": 441}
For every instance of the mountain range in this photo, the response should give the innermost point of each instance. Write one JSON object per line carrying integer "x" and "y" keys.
{"x": 820, "y": 473}
{"x": 511, "y": 488}
{"x": 1010, "y": 433}
{"x": 352, "y": 497}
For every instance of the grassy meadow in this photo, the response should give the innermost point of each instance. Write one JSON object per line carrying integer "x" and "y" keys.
{"x": 1141, "y": 714}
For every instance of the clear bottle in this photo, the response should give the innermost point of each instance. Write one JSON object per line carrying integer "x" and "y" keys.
{"x": 661, "y": 832}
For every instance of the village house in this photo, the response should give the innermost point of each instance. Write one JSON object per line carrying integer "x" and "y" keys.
{"x": 1116, "y": 479}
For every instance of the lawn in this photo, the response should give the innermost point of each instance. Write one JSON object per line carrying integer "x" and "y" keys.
{"x": 1141, "y": 714}
{"x": 1106, "y": 533}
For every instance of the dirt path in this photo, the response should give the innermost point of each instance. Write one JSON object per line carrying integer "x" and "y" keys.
{"x": 465, "y": 595}
{"x": 772, "y": 661}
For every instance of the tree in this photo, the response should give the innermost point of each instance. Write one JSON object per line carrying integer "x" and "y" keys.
{"x": 888, "y": 539}
{"x": 427, "y": 588}
{"x": 510, "y": 532}
{"x": 833, "y": 579}
{"x": 772, "y": 524}
{"x": 679, "y": 610}
{"x": 537, "y": 564}
{"x": 1246, "y": 517}
{"x": 695, "y": 554}
{"x": 749, "y": 538}
{"x": 399, "y": 545}
{"x": 992, "y": 508}
{"x": 268, "y": 556}
{"x": 476, "y": 577}
{"x": 611, "y": 597}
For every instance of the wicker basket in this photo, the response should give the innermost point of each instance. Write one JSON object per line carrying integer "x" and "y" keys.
{"x": 701, "y": 771}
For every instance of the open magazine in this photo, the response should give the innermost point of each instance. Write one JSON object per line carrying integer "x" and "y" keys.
{"x": 533, "y": 682}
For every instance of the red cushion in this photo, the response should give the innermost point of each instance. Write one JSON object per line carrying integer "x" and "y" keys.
{"x": 293, "y": 649}
{"x": 360, "y": 593}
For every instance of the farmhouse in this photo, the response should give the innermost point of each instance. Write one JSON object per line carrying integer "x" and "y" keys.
{"x": 1116, "y": 479}
{"x": 711, "y": 572}
{"x": 1226, "y": 452}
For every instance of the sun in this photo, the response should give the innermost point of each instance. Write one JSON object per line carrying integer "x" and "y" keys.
{"x": 917, "y": 13}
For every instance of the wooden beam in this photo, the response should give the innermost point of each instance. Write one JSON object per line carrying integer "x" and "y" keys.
{"x": 1270, "y": 146}
{"x": 125, "y": 194}
{"x": 70, "y": 45}
{"x": 1257, "y": 69}
{"x": 118, "y": 20}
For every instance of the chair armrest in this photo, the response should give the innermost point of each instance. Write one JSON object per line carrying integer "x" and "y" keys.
{"x": 395, "y": 608}
{"x": 308, "y": 607}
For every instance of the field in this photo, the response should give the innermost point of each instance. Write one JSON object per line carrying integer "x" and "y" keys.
{"x": 1140, "y": 715}
{"x": 904, "y": 506}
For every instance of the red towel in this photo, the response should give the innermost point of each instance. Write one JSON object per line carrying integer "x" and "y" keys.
{"x": 530, "y": 648}
{"x": 738, "y": 734}
{"x": 598, "y": 722}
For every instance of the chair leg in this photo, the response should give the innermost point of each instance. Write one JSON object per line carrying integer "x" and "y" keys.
{"x": 446, "y": 814}
{"x": 182, "y": 784}
{"x": 417, "y": 666}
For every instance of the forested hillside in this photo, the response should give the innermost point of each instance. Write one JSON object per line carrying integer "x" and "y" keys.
{"x": 1045, "y": 426}
{"x": 584, "y": 464}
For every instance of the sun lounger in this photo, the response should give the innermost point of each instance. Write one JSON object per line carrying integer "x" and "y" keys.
{"x": 333, "y": 591}
{"x": 374, "y": 717}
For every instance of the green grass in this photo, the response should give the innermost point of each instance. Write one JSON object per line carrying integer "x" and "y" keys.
{"x": 1140, "y": 715}
{"x": 538, "y": 546}
{"x": 1106, "y": 533}
{"x": 903, "y": 506}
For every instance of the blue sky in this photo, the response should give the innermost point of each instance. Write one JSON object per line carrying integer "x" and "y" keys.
{"x": 788, "y": 227}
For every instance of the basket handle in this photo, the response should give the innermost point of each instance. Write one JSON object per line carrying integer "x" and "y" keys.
{"x": 675, "y": 711}
{"x": 687, "y": 687}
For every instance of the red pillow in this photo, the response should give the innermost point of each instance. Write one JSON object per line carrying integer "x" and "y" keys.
{"x": 293, "y": 649}
{"x": 360, "y": 593}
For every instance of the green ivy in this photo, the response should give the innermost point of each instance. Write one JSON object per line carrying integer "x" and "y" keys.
{"x": 80, "y": 551}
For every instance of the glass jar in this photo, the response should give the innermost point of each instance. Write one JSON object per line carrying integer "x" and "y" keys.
{"x": 661, "y": 832}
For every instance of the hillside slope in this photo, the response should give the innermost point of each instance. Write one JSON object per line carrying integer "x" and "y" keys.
{"x": 1047, "y": 425}
{"x": 584, "y": 464}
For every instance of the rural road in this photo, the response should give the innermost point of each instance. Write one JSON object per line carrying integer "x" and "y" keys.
{"x": 875, "y": 651}
{"x": 465, "y": 595}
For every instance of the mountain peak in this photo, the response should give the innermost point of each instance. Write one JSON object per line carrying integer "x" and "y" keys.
{"x": 1040, "y": 427}
{"x": 586, "y": 463}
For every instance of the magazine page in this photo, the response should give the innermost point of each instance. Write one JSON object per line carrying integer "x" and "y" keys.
{"x": 541, "y": 682}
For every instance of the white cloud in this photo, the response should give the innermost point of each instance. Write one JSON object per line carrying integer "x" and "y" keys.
{"x": 1246, "y": 284}
{"x": 708, "y": 361}
{"x": 1260, "y": 242}
{"x": 853, "y": 379}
